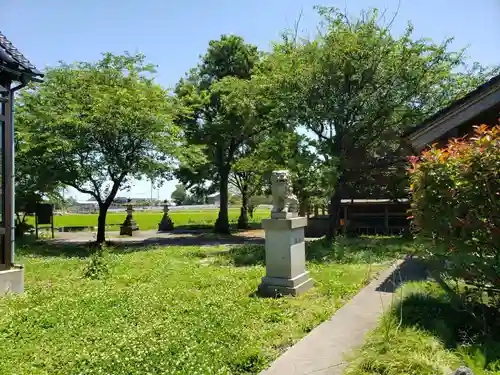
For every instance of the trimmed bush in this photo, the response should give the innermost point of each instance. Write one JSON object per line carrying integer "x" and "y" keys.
{"x": 456, "y": 204}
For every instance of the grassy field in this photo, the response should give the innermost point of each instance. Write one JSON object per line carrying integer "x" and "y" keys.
{"x": 427, "y": 334}
{"x": 173, "y": 310}
{"x": 150, "y": 220}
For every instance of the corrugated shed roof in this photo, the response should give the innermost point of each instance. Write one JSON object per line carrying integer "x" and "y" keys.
{"x": 13, "y": 59}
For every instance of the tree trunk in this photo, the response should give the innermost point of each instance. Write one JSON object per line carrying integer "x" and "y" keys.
{"x": 334, "y": 210}
{"x": 251, "y": 208}
{"x": 303, "y": 203}
{"x": 222, "y": 222}
{"x": 101, "y": 223}
{"x": 243, "y": 219}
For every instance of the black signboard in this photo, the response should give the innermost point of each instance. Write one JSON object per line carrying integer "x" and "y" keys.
{"x": 30, "y": 208}
{"x": 44, "y": 213}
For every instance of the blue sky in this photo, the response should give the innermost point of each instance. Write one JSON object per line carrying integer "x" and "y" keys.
{"x": 172, "y": 34}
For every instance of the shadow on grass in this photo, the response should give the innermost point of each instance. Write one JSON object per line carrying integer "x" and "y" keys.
{"x": 411, "y": 269}
{"x": 344, "y": 251}
{"x": 471, "y": 328}
{"x": 201, "y": 239}
{"x": 190, "y": 228}
{"x": 28, "y": 246}
{"x": 359, "y": 250}
{"x": 249, "y": 252}
{"x": 245, "y": 255}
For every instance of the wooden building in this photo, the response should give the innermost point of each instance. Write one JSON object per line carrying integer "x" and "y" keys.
{"x": 481, "y": 106}
{"x": 365, "y": 216}
{"x": 15, "y": 72}
{"x": 389, "y": 216}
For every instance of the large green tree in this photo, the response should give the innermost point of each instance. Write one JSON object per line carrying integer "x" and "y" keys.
{"x": 179, "y": 195}
{"x": 226, "y": 111}
{"x": 357, "y": 88}
{"x": 96, "y": 126}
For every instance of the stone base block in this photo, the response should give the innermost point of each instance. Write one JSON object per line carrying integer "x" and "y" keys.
{"x": 166, "y": 224}
{"x": 284, "y": 215}
{"x": 12, "y": 281}
{"x": 276, "y": 286}
{"x": 128, "y": 230}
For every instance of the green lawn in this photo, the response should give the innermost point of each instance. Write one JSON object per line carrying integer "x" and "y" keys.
{"x": 429, "y": 335}
{"x": 150, "y": 220}
{"x": 173, "y": 310}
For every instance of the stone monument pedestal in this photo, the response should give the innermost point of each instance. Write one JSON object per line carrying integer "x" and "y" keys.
{"x": 129, "y": 225}
{"x": 285, "y": 256}
{"x": 12, "y": 280}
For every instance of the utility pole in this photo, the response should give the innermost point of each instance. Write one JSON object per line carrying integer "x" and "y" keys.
{"x": 64, "y": 200}
{"x": 151, "y": 200}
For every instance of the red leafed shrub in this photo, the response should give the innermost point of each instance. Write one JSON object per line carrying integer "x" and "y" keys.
{"x": 456, "y": 204}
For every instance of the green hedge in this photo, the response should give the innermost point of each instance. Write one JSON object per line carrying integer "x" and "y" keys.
{"x": 456, "y": 205}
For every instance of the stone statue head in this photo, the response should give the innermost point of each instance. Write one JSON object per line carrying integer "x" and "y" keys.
{"x": 281, "y": 177}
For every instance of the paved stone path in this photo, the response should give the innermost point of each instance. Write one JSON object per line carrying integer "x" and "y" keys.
{"x": 175, "y": 238}
{"x": 324, "y": 349}
{"x": 152, "y": 237}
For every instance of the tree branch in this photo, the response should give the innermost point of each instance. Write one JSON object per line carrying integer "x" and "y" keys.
{"x": 82, "y": 190}
{"x": 114, "y": 189}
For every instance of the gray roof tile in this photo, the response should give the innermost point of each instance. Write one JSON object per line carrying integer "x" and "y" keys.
{"x": 9, "y": 55}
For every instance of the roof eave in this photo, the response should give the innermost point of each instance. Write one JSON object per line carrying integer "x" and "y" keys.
{"x": 15, "y": 61}
{"x": 23, "y": 75}
{"x": 456, "y": 114}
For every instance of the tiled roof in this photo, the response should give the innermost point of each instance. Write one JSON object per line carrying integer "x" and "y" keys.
{"x": 12, "y": 58}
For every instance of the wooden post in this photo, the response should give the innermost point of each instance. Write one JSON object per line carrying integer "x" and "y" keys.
{"x": 36, "y": 226}
{"x": 386, "y": 219}
{"x": 52, "y": 224}
{"x": 344, "y": 227}
{"x": 8, "y": 177}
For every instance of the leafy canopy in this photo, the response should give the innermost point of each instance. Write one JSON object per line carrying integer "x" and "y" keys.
{"x": 227, "y": 110}
{"x": 357, "y": 87}
{"x": 95, "y": 126}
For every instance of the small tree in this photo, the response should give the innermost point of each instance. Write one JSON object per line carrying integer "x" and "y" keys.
{"x": 227, "y": 110}
{"x": 95, "y": 126}
{"x": 33, "y": 184}
{"x": 248, "y": 177}
{"x": 179, "y": 195}
{"x": 456, "y": 206}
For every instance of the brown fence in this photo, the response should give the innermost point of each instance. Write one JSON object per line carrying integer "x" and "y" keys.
{"x": 363, "y": 216}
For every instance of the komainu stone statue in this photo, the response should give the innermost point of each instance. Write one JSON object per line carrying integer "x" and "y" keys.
{"x": 284, "y": 201}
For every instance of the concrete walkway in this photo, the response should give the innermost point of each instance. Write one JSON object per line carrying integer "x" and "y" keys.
{"x": 324, "y": 349}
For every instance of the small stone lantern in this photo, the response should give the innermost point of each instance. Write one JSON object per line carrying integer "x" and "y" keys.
{"x": 129, "y": 225}
{"x": 166, "y": 223}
